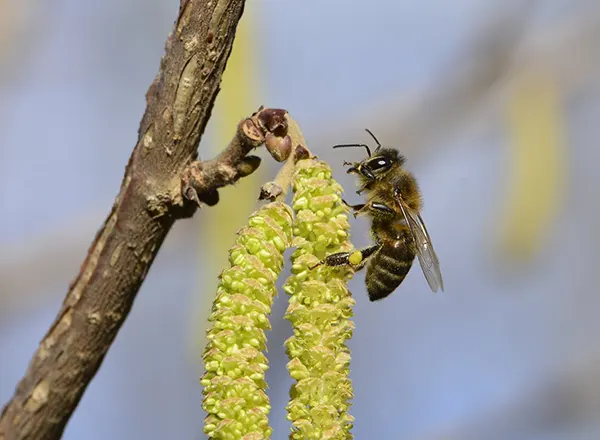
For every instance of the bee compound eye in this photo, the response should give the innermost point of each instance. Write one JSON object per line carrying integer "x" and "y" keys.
{"x": 379, "y": 163}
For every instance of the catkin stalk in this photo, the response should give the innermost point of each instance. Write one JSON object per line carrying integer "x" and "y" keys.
{"x": 320, "y": 309}
{"x": 234, "y": 384}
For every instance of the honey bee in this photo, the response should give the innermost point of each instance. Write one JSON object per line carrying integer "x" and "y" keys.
{"x": 393, "y": 203}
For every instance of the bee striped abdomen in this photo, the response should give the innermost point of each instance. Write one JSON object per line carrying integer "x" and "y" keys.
{"x": 388, "y": 267}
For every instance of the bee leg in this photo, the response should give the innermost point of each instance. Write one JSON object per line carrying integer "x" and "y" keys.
{"x": 362, "y": 189}
{"x": 354, "y": 208}
{"x": 357, "y": 259}
{"x": 365, "y": 254}
{"x": 380, "y": 209}
{"x": 339, "y": 259}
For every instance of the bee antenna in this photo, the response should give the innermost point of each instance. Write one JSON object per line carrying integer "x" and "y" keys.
{"x": 373, "y": 136}
{"x": 366, "y": 147}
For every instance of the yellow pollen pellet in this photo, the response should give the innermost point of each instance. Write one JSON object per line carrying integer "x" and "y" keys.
{"x": 355, "y": 258}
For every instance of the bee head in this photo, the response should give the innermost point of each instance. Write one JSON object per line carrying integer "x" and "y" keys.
{"x": 377, "y": 165}
{"x": 380, "y": 164}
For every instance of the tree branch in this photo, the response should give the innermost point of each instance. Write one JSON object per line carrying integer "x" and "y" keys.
{"x": 161, "y": 180}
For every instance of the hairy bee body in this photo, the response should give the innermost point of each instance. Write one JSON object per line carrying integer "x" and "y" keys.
{"x": 393, "y": 203}
{"x": 390, "y": 264}
{"x": 388, "y": 267}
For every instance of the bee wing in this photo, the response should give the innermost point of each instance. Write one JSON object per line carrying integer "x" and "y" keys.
{"x": 425, "y": 251}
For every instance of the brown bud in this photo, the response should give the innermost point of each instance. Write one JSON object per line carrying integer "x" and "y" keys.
{"x": 260, "y": 109}
{"x": 300, "y": 152}
{"x": 211, "y": 198}
{"x": 273, "y": 120}
{"x": 279, "y": 148}
{"x": 248, "y": 165}
{"x": 270, "y": 191}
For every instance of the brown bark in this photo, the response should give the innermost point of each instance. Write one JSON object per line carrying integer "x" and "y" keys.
{"x": 161, "y": 179}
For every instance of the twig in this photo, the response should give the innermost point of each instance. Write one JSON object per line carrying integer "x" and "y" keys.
{"x": 278, "y": 188}
{"x": 179, "y": 104}
{"x": 201, "y": 180}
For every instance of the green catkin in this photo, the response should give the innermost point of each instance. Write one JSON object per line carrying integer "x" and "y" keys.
{"x": 234, "y": 384}
{"x": 320, "y": 309}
